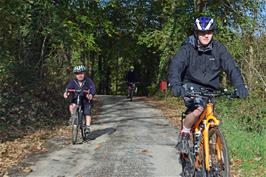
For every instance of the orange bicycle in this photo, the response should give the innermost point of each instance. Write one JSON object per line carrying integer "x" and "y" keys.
{"x": 208, "y": 154}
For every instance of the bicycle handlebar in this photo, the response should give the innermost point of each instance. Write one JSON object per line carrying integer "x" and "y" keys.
{"x": 213, "y": 94}
{"x": 78, "y": 91}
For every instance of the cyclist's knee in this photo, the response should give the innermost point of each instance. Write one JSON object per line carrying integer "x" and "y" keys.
{"x": 72, "y": 106}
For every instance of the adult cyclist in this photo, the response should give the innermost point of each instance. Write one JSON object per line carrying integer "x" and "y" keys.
{"x": 84, "y": 83}
{"x": 197, "y": 64}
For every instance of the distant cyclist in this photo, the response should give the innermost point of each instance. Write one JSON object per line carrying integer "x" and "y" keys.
{"x": 84, "y": 83}
{"x": 131, "y": 78}
{"x": 197, "y": 64}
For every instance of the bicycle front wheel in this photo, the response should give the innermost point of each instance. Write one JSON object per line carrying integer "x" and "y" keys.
{"x": 75, "y": 124}
{"x": 219, "y": 158}
{"x": 131, "y": 94}
{"x": 189, "y": 161}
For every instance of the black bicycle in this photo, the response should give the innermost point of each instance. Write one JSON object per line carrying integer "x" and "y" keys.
{"x": 78, "y": 121}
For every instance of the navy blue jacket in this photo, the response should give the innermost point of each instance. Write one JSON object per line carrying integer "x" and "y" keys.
{"x": 132, "y": 76}
{"x": 86, "y": 85}
{"x": 201, "y": 66}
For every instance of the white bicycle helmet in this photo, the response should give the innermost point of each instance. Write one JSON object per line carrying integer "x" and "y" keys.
{"x": 79, "y": 68}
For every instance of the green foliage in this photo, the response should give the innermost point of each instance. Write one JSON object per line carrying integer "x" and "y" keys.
{"x": 255, "y": 122}
{"x": 250, "y": 113}
{"x": 42, "y": 40}
{"x": 142, "y": 33}
{"x": 152, "y": 89}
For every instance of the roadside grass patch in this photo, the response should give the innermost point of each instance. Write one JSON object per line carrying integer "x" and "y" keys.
{"x": 244, "y": 129}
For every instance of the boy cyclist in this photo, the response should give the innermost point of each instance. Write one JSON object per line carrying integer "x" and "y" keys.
{"x": 81, "y": 82}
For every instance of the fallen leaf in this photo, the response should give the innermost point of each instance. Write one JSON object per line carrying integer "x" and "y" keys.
{"x": 144, "y": 151}
{"x": 27, "y": 170}
{"x": 5, "y": 175}
{"x": 98, "y": 146}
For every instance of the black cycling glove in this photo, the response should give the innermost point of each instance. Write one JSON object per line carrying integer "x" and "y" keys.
{"x": 178, "y": 90}
{"x": 242, "y": 91}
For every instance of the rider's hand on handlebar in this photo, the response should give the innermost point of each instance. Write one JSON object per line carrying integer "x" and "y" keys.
{"x": 66, "y": 94}
{"x": 242, "y": 91}
{"x": 89, "y": 96}
{"x": 178, "y": 90}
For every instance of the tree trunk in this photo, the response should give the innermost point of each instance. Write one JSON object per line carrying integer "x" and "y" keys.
{"x": 199, "y": 5}
{"x": 41, "y": 74}
{"x": 100, "y": 74}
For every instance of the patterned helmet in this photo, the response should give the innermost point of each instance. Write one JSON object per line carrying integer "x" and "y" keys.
{"x": 79, "y": 68}
{"x": 205, "y": 24}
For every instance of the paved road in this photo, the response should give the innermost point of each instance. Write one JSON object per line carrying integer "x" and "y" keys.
{"x": 132, "y": 139}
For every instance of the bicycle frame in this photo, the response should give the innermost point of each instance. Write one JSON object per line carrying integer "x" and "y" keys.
{"x": 78, "y": 102}
{"x": 79, "y": 108}
{"x": 131, "y": 89}
{"x": 132, "y": 86}
{"x": 209, "y": 120}
{"x": 78, "y": 121}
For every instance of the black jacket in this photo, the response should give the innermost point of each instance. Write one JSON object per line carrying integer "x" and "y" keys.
{"x": 132, "y": 76}
{"x": 202, "y": 66}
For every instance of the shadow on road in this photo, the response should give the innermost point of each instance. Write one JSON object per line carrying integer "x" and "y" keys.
{"x": 97, "y": 133}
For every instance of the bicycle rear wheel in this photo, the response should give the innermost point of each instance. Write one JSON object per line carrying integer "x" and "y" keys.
{"x": 75, "y": 124}
{"x": 219, "y": 158}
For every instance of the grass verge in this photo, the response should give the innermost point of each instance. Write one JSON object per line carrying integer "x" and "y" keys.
{"x": 244, "y": 129}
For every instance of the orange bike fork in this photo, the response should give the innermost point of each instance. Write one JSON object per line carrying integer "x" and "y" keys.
{"x": 206, "y": 147}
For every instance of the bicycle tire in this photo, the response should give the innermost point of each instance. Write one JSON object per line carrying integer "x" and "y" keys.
{"x": 75, "y": 129}
{"x": 131, "y": 94}
{"x": 218, "y": 168}
{"x": 188, "y": 161}
{"x": 188, "y": 169}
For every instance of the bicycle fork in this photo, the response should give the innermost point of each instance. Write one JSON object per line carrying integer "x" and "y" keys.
{"x": 207, "y": 146}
